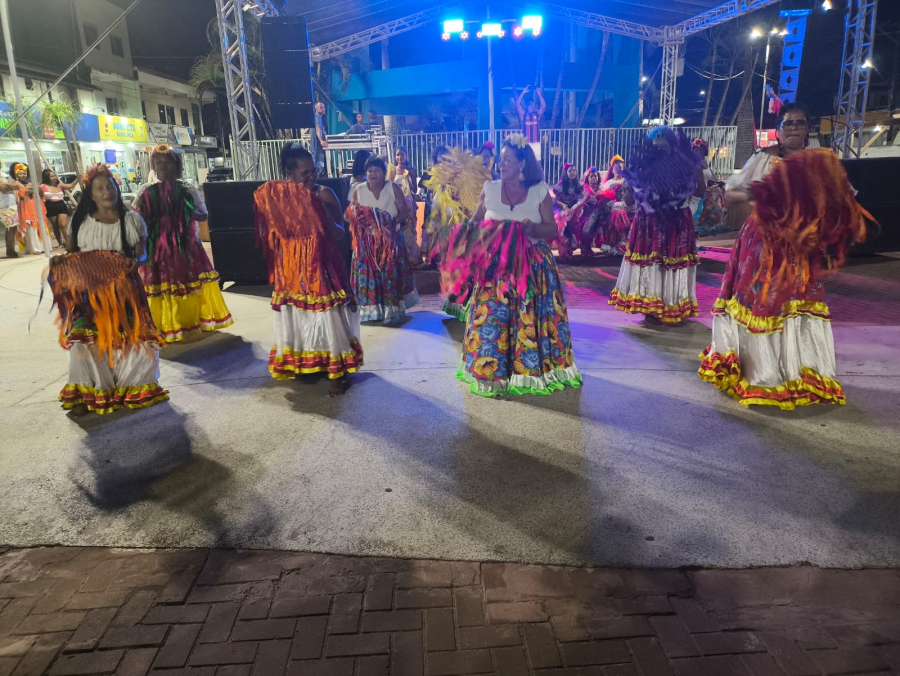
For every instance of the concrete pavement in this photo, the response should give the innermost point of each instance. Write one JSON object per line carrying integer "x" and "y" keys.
{"x": 644, "y": 466}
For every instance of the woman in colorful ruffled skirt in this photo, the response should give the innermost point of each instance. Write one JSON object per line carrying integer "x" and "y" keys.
{"x": 616, "y": 228}
{"x": 772, "y": 342}
{"x": 569, "y": 197}
{"x": 380, "y": 275}
{"x": 315, "y": 316}
{"x": 517, "y": 339}
{"x": 105, "y": 320}
{"x": 181, "y": 284}
{"x": 658, "y": 277}
{"x": 28, "y": 235}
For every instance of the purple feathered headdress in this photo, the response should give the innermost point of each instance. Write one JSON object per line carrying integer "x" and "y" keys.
{"x": 662, "y": 176}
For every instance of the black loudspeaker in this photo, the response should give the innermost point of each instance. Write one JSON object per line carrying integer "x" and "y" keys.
{"x": 236, "y": 256}
{"x": 875, "y": 181}
{"x": 288, "y": 76}
{"x": 820, "y": 69}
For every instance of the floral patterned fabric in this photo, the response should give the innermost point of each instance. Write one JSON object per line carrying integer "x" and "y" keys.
{"x": 380, "y": 273}
{"x": 520, "y": 345}
{"x": 709, "y": 218}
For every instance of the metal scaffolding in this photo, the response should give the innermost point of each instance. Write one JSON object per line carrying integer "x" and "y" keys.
{"x": 856, "y": 64}
{"x": 669, "y": 79}
{"x": 376, "y": 34}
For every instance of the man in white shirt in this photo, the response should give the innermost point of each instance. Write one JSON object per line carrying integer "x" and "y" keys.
{"x": 8, "y": 196}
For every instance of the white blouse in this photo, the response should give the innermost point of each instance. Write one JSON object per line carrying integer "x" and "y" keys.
{"x": 96, "y": 236}
{"x": 529, "y": 210}
{"x": 387, "y": 201}
{"x": 755, "y": 169}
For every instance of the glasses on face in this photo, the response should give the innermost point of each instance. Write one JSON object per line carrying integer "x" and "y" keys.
{"x": 794, "y": 124}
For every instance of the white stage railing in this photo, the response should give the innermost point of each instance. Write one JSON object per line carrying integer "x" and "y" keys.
{"x": 583, "y": 147}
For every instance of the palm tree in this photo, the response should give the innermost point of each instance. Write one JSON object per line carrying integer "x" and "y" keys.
{"x": 590, "y": 94}
{"x": 64, "y": 115}
{"x": 33, "y": 124}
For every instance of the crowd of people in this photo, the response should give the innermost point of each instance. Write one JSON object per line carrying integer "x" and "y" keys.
{"x": 491, "y": 228}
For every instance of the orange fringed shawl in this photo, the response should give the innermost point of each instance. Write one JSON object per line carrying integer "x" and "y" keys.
{"x": 304, "y": 261}
{"x": 805, "y": 209}
{"x": 101, "y": 285}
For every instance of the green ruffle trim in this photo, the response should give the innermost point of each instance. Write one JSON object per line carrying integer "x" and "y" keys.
{"x": 485, "y": 388}
{"x": 461, "y": 312}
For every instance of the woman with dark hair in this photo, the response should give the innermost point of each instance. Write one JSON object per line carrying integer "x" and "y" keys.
{"x": 708, "y": 211}
{"x": 658, "y": 277}
{"x": 358, "y": 170}
{"x": 486, "y": 151}
{"x": 617, "y": 225}
{"x": 380, "y": 274}
{"x": 55, "y": 203}
{"x": 594, "y": 211}
{"x": 517, "y": 338}
{"x": 404, "y": 175}
{"x": 28, "y": 238}
{"x": 126, "y": 377}
{"x": 772, "y": 341}
{"x": 179, "y": 278}
{"x": 316, "y": 323}
{"x": 568, "y": 198}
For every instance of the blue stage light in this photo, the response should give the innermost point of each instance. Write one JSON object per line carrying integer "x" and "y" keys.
{"x": 532, "y": 23}
{"x": 454, "y": 26}
{"x": 491, "y": 29}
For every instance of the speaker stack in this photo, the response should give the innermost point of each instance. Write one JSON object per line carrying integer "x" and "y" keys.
{"x": 236, "y": 256}
{"x": 288, "y": 72}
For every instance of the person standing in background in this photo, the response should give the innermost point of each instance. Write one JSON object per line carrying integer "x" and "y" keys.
{"x": 9, "y": 212}
{"x": 530, "y": 120}
{"x": 317, "y": 142}
{"x": 55, "y": 202}
{"x": 359, "y": 127}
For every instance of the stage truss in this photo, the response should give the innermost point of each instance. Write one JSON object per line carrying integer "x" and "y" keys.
{"x": 856, "y": 65}
{"x": 670, "y": 37}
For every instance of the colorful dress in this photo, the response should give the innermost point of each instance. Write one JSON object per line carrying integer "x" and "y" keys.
{"x": 181, "y": 284}
{"x": 772, "y": 341}
{"x": 404, "y": 180}
{"x": 518, "y": 342}
{"x": 102, "y": 377}
{"x": 380, "y": 274}
{"x": 567, "y": 211}
{"x": 316, "y": 324}
{"x": 617, "y": 226}
{"x": 28, "y": 235}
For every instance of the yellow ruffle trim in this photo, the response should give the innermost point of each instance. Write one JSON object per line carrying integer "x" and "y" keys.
{"x": 180, "y": 317}
{"x": 308, "y": 302}
{"x": 654, "y": 306}
{"x": 724, "y": 372}
{"x": 290, "y": 363}
{"x": 181, "y": 289}
{"x": 108, "y": 401}
{"x": 656, "y": 257}
{"x": 755, "y": 324}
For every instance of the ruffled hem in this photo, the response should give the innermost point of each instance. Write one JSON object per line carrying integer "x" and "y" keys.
{"x": 181, "y": 317}
{"x": 182, "y": 289}
{"x": 655, "y": 307}
{"x": 290, "y": 364}
{"x": 89, "y": 335}
{"x": 107, "y": 401}
{"x": 755, "y": 324}
{"x": 547, "y": 383}
{"x": 309, "y": 303}
{"x": 656, "y": 258}
{"x": 388, "y": 314}
{"x": 460, "y": 312}
{"x": 724, "y": 372}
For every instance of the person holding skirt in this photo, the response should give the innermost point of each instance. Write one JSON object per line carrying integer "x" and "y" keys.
{"x": 315, "y": 314}
{"x": 658, "y": 277}
{"x": 517, "y": 338}
{"x": 181, "y": 284}
{"x": 105, "y": 320}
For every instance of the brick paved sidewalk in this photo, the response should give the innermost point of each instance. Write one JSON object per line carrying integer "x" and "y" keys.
{"x": 133, "y": 612}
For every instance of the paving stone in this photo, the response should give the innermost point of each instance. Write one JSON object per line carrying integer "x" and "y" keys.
{"x": 644, "y": 605}
{"x": 272, "y": 658}
{"x": 594, "y": 652}
{"x": 224, "y": 567}
{"x": 724, "y": 643}
{"x": 261, "y": 630}
{"x": 134, "y": 610}
{"x": 674, "y": 640}
{"x": 361, "y": 644}
{"x": 219, "y": 622}
{"x": 224, "y": 653}
{"x": 619, "y": 627}
{"x": 373, "y": 665}
{"x": 423, "y": 598}
{"x": 650, "y": 657}
{"x": 219, "y": 593}
{"x": 91, "y": 630}
{"x": 234, "y": 670}
{"x": 297, "y": 606}
{"x": 102, "y": 575}
{"x": 515, "y": 582}
{"x": 720, "y": 665}
{"x": 61, "y": 593}
{"x": 440, "y": 633}
{"x": 620, "y": 670}
{"x": 788, "y": 654}
{"x": 14, "y": 612}
{"x": 50, "y": 623}
{"x": 345, "y": 614}
{"x": 139, "y": 636}
{"x": 309, "y": 638}
{"x": 761, "y": 664}
{"x": 136, "y": 662}
{"x": 469, "y": 608}
{"x": 177, "y": 647}
{"x": 541, "y": 646}
{"x": 516, "y": 611}
{"x": 847, "y": 660}
{"x": 41, "y": 655}
{"x": 17, "y": 590}
{"x": 407, "y": 658}
{"x": 7, "y": 664}
{"x": 15, "y": 646}
{"x": 255, "y": 608}
{"x": 337, "y": 585}
{"x": 465, "y": 573}
{"x": 510, "y": 661}
{"x": 187, "y": 614}
{"x": 379, "y": 592}
{"x": 101, "y": 662}
{"x": 459, "y": 662}
{"x": 394, "y": 620}
{"x": 693, "y": 616}
{"x": 339, "y": 667}
{"x": 425, "y": 574}
{"x": 489, "y": 636}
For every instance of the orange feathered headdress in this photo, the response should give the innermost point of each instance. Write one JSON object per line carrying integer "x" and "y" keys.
{"x": 95, "y": 171}
{"x": 806, "y": 208}
{"x": 617, "y": 158}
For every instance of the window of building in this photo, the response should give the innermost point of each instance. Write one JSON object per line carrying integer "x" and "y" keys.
{"x": 184, "y": 118}
{"x": 195, "y": 114}
{"x": 90, "y": 35}
{"x": 162, "y": 113}
{"x": 118, "y": 49}
{"x": 143, "y": 111}
{"x": 112, "y": 106}
{"x": 170, "y": 114}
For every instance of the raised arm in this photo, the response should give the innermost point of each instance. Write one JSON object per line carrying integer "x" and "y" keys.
{"x": 69, "y": 186}
{"x": 543, "y": 108}
{"x": 519, "y": 107}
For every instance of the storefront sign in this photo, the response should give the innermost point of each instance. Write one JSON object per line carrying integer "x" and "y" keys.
{"x": 122, "y": 129}
{"x": 160, "y": 133}
{"x": 183, "y": 136}
{"x": 53, "y": 133}
{"x": 206, "y": 141}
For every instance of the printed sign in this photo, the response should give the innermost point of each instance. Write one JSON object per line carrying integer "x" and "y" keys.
{"x": 160, "y": 133}
{"x": 206, "y": 141}
{"x": 183, "y": 136}
{"x": 122, "y": 129}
